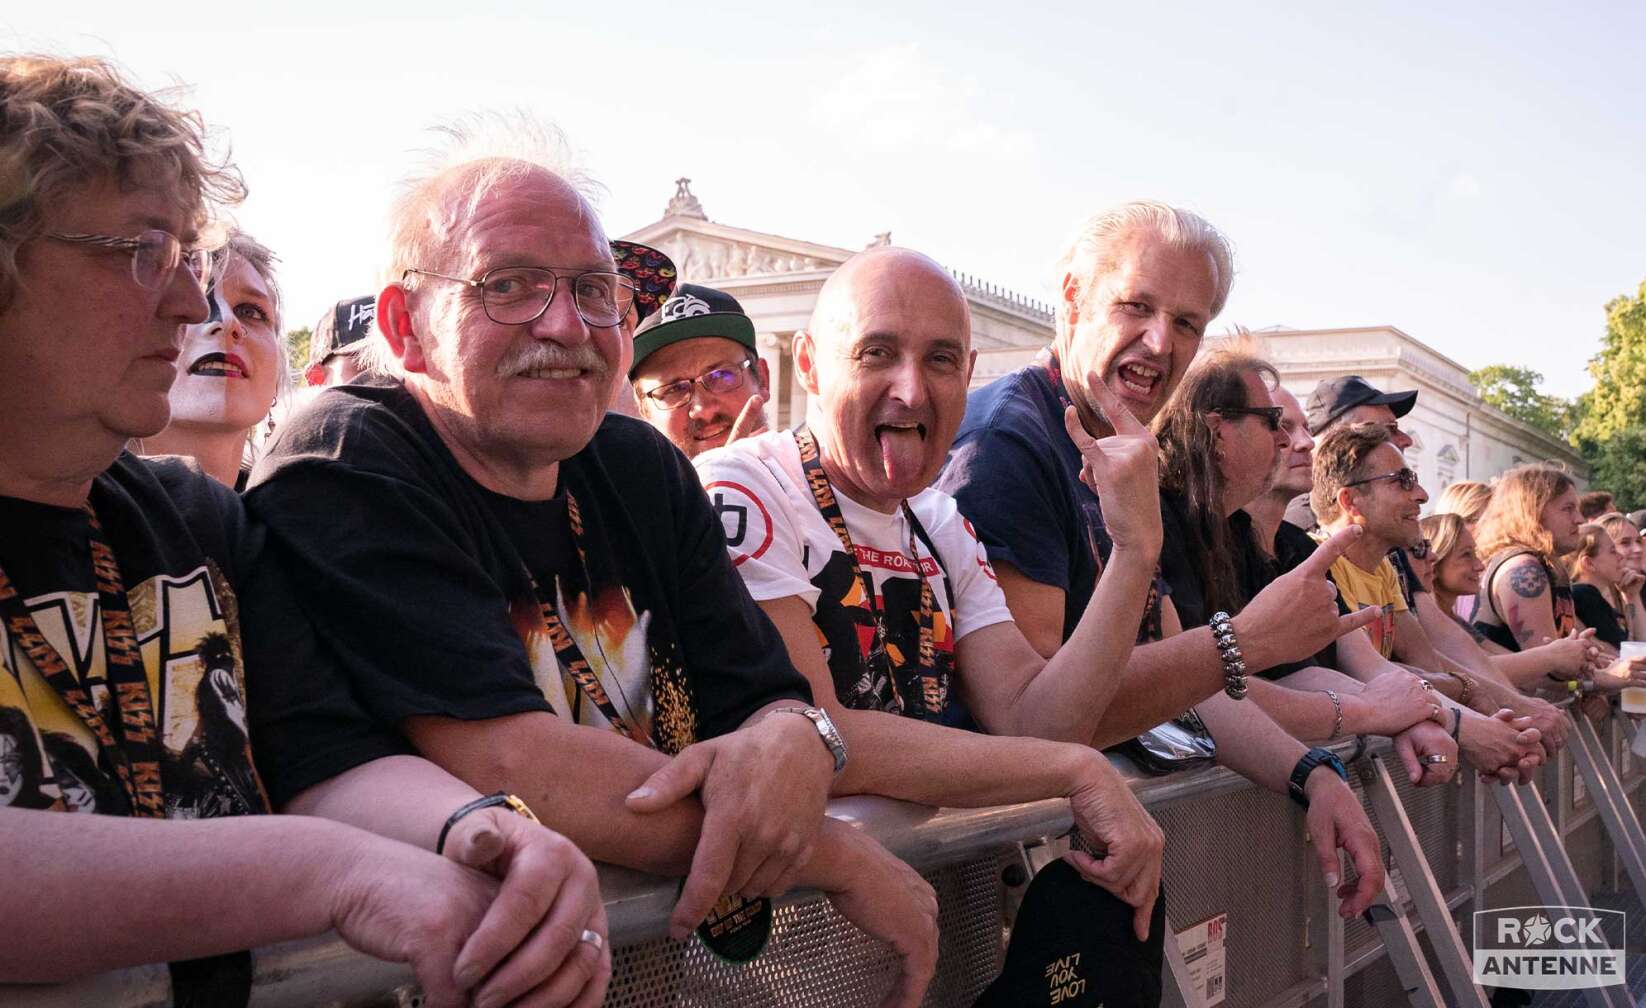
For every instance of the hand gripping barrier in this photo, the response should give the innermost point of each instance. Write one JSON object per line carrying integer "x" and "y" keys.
{"x": 1255, "y": 922}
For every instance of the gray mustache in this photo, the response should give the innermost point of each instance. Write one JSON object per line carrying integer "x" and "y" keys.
{"x": 552, "y": 355}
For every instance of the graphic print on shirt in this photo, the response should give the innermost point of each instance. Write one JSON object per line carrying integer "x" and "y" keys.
{"x": 846, "y": 628}
{"x": 187, "y": 630}
{"x": 646, "y": 683}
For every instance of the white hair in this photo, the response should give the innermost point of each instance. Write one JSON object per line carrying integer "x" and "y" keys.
{"x": 470, "y": 155}
{"x": 1092, "y": 249}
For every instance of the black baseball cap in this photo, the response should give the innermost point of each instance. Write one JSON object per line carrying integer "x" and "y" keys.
{"x": 343, "y": 329}
{"x": 692, "y": 312}
{"x": 1337, "y": 396}
{"x": 1073, "y": 942}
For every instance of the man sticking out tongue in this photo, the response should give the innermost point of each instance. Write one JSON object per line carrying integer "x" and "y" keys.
{"x": 886, "y": 601}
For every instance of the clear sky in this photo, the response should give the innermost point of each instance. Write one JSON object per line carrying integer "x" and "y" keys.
{"x": 1474, "y": 173}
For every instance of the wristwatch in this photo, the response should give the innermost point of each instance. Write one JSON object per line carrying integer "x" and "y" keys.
{"x": 1306, "y": 766}
{"x": 825, "y": 727}
{"x": 503, "y": 798}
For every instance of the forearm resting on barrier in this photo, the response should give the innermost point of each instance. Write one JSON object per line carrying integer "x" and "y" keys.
{"x": 99, "y": 892}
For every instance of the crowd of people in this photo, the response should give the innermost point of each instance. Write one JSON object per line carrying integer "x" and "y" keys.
{"x": 523, "y": 579}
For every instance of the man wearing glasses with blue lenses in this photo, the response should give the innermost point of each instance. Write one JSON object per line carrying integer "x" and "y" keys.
{"x": 697, "y": 375}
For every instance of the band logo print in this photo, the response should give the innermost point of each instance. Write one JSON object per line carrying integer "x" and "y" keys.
{"x": 1549, "y": 947}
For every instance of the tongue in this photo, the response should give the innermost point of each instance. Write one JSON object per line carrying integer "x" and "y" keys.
{"x": 901, "y": 453}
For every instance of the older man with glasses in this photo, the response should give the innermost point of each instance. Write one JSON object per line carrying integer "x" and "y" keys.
{"x": 697, "y": 375}
{"x": 536, "y": 592}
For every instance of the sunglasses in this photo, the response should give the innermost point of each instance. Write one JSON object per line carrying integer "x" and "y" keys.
{"x": 1420, "y": 551}
{"x": 1270, "y": 415}
{"x": 1406, "y": 479}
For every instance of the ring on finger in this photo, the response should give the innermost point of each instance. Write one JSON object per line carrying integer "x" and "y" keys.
{"x": 1434, "y": 710}
{"x": 1428, "y": 687}
{"x": 1435, "y": 759}
{"x": 594, "y": 938}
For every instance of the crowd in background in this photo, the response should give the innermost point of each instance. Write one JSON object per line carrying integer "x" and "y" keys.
{"x": 520, "y": 577}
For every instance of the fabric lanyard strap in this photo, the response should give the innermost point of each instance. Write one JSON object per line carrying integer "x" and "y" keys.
{"x": 823, "y": 496}
{"x": 566, "y": 650}
{"x": 131, "y": 745}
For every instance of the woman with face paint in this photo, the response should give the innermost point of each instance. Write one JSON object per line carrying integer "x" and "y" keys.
{"x": 233, "y": 367}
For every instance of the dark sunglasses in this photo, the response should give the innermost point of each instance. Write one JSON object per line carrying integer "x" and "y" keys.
{"x": 1404, "y": 478}
{"x": 1270, "y": 415}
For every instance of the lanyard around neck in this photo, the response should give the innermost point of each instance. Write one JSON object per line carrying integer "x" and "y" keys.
{"x": 824, "y": 497}
{"x": 566, "y": 649}
{"x": 131, "y": 742}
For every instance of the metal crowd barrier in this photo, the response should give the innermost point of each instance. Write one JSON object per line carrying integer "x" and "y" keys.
{"x": 1254, "y": 921}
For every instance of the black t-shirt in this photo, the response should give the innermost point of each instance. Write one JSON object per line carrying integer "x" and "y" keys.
{"x": 418, "y": 576}
{"x": 1016, "y": 476}
{"x": 1180, "y": 544}
{"x": 207, "y": 615}
{"x": 1596, "y": 612}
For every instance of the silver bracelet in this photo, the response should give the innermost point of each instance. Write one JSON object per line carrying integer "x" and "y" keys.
{"x": 1337, "y": 715}
{"x": 1228, "y": 651}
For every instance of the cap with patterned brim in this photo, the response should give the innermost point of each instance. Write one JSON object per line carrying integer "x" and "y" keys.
{"x": 652, "y": 273}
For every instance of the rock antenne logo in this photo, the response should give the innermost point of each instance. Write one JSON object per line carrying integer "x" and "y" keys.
{"x": 1549, "y": 947}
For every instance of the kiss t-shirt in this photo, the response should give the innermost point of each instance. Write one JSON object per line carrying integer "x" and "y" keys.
{"x": 782, "y": 546}
{"x": 177, "y": 537}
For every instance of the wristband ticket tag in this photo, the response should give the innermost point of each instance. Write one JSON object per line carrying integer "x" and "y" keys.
{"x": 737, "y": 930}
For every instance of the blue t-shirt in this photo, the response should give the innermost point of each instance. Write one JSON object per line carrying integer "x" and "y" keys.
{"x": 1016, "y": 475}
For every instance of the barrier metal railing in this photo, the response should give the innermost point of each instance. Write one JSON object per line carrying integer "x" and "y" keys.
{"x": 1254, "y": 921}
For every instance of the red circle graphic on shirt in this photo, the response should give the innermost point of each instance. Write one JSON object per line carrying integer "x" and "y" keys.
{"x": 743, "y": 519}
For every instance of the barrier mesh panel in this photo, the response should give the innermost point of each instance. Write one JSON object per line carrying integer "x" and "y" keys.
{"x": 818, "y": 959}
{"x": 1244, "y": 854}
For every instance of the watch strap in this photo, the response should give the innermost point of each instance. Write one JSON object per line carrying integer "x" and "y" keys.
{"x": 825, "y": 726}
{"x": 493, "y": 800}
{"x": 1311, "y": 760}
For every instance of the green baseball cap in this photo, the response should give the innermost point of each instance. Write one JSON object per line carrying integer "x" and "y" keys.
{"x": 691, "y": 313}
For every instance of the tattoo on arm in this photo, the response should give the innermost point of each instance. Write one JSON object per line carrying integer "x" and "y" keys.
{"x": 1528, "y": 580}
{"x": 1517, "y": 626}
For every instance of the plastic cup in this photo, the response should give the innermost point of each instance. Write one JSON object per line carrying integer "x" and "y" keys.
{"x": 1633, "y": 697}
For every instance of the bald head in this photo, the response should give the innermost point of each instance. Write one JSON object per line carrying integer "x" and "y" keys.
{"x": 885, "y": 272}
{"x": 886, "y": 362}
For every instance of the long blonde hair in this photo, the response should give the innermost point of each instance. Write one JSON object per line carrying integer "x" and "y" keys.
{"x": 1467, "y": 499}
{"x": 1514, "y": 516}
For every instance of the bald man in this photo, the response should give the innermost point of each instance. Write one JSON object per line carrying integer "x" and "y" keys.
{"x": 886, "y": 600}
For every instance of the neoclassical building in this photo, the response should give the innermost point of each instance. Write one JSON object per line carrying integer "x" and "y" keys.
{"x": 777, "y": 279}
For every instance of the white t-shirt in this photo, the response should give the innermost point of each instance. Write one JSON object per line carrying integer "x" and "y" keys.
{"x": 782, "y": 546}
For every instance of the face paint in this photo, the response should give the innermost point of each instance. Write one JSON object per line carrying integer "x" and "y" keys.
{"x": 11, "y": 769}
{"x": 230, "y": 362}
{"x": 222, "y": 683}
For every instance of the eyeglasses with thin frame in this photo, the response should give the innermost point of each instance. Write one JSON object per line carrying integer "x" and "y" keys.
{"x": 717, "y": 381}
{"x": 154, "y": 255}
{"x": 1270, "y": 415}
{"x": 1406, "y": 479}
{"x": 518, "y": 295}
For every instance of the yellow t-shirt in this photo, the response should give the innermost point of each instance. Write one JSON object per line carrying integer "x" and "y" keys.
{"x": 1380, "y": 586}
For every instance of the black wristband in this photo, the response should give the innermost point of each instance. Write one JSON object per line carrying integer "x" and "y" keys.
{"x": 489, "y": 801}
{"x": 1457, "y": 722}
{"x": 1311, "y": 760}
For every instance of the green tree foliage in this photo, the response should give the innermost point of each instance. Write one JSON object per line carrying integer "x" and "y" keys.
{"x": 297, "y": 349}
{"x": 1611, "y": 429}
{"x": 1514, "y": 391}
